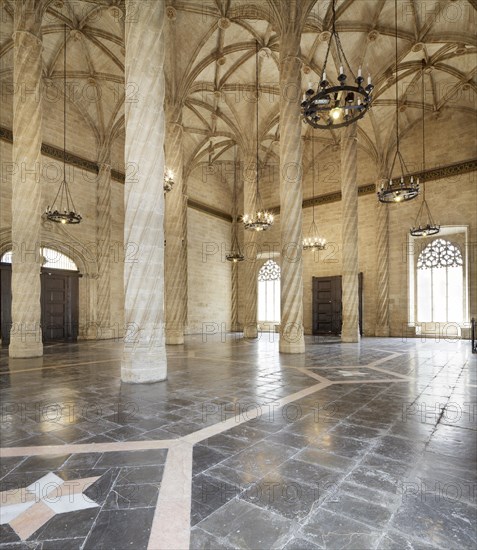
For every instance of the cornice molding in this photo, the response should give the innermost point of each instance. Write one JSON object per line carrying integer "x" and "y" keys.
{"x": 204, "y": 208}
{"x": 433, "y": 174}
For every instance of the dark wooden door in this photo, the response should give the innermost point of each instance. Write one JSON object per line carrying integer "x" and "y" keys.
{"x": 5, "y": 302}
{"x": 327, "y": 305}
{"x": 59, "y": 304}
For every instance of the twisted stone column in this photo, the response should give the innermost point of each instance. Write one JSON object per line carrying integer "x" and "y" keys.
{"x": 103, "y": 243}
{"x": 235, "y": 289}
{"x": 291, "y": 198}
{"x": 176, "y": 242}
{"x": 382, "y": 279}
{"x": 250, "y": 329}
{"x": 25, "y": 334}
{"x": 144, "y": 355}
{"x": 184, "y": 253}
{"x": 349, "y": 223}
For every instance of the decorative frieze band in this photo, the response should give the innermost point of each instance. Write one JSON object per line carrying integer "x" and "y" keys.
{"x": 209, "y": 210}
{"x": 432, "y": 174}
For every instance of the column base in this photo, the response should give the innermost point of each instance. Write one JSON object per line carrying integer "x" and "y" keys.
{"x": 291, "y": 347}
{"x": 24, "y": 349}
{"x": 174, "y": 337}
{"x": 382, "y": 331}
{"x": 250, "y": 331}
{"x": 138, "y": 367}
{"x": 350, "y": 336}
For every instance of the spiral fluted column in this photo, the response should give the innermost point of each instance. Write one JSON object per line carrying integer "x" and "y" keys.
{"x": 382, "y": 264}
{"x": 250, "y": 329}
{"x": 176, "y": 241}
{"x": 291, "y": 197}
{"x": 234, "y": 321}
{"x": 144, "y": 354}
{"x": 349, "y": 223}
{"x": 25, "y": 334}
{"x": 103, "y": 243}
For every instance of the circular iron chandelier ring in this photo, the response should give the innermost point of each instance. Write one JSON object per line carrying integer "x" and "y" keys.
{"x": 310, "y": 108}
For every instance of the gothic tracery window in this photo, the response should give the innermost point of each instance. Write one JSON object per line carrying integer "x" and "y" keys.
{"x": 439, "y": 253}
{"x": 269, "y": 292}
{"x": 440, "y": 283}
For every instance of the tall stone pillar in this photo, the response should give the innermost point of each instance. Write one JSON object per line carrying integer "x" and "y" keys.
{"x": 250, "y": 329}
{"x": 144, "y": 354}
{"x": 382, "y": 272}
{"x": 25, "y": 335}
{"x": 103, "y": 244}
{"x": 349, "y": 224}
{"x": 291, "y": 197}
{"x": 235, "y": 290}
{"x": 176, "y": 241}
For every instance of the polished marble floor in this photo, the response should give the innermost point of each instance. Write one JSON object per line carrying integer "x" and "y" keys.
{"x": 348, "y": 446}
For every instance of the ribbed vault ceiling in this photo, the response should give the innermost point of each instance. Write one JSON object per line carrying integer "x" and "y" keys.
{"x": 213, "y": 59}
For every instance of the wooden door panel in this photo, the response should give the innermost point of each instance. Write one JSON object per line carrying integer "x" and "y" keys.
{"x": 5, "y": 302}
{"x": 327, "y": 305}
{"x": 59, "y": 304}
{"x": 324, "y": 308}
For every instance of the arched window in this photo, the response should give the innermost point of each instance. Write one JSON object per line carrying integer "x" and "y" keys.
{"x": 440, "y": 283}
{"x": 50, "y": 258}
{"x": 269, "y": 292}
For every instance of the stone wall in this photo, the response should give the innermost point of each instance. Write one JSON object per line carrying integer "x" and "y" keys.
{"x": 76, "y": 241}
{"x": 209, "y": 276}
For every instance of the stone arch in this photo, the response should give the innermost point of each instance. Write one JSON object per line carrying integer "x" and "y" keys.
{"x": 84, "y": 256}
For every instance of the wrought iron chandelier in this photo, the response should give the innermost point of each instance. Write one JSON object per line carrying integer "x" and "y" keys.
{"x": 261, "y": 219}
{"x": 65, "y": 211}
{"x": 235, "y": 255}
{"x": 333, "y": 107}
{"x": 168, "y": 180}
{"x": 313, "y": 241}
{"x": 403, "y": 188}
{"x": 424, "y": 225}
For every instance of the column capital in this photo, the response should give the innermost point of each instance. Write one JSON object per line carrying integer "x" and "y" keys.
{"x": 289, "y": 59}
{"x": 16, "y": 36}
{"x": 28, "y": 15}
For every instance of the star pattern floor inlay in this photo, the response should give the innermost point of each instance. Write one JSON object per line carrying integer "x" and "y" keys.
{"x": 241, "y": 448}
{"x": 28, "y": 509}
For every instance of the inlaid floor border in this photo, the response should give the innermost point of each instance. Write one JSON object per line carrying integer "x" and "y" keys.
{"x": 171, "y": 522}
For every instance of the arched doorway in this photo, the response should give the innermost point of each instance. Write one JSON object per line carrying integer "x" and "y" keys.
{"x": 59, "y": 296}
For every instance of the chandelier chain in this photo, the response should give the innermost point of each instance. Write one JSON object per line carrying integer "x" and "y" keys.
{"x": 396, "y": 83}
{"x": 313, "y": 173}
{"x": 423, "y": 132}
{"x": 256, "y": 109}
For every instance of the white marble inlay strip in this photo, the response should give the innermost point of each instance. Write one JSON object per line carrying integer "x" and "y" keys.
{"x": 216, "y": 429}
{"x": 384, "y": 360}
{"x": 389, "y": 373}
{"x": 311, "y": 374}
{"x": 171, "y": 523}
{"x": 65, "y": 365}
{"x": 370, "y": 381}
{"x": 42, "y": 450}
